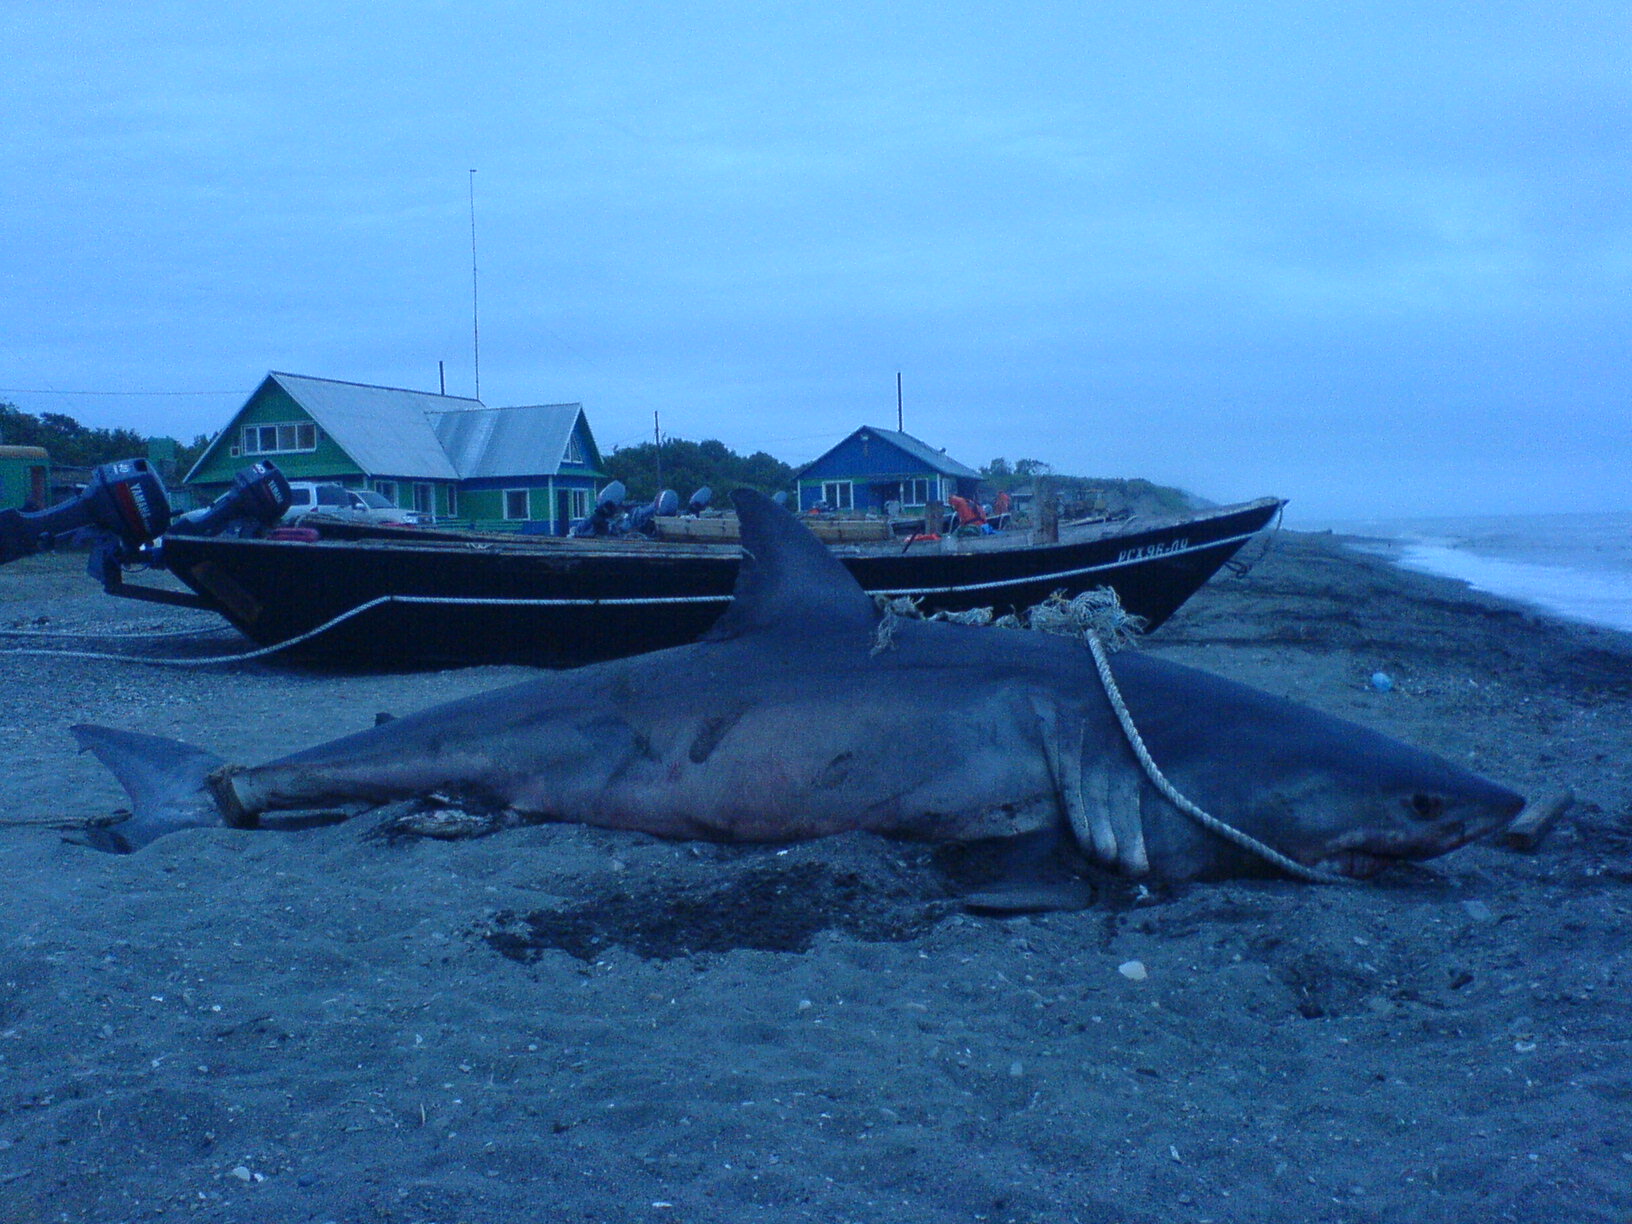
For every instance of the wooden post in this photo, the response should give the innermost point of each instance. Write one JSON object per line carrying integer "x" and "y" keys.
{"x": 1532, "y": 824}
{"x": 1045, "y": 512}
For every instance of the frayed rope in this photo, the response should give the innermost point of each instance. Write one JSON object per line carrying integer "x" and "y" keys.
{"x": 1097, "y": 613}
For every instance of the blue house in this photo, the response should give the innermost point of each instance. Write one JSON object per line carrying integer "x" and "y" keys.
{"x": 873, "y": 467}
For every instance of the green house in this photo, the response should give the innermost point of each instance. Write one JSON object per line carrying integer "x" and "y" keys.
{"x": 533, "y": 467}
{"x": 25, "y": 478}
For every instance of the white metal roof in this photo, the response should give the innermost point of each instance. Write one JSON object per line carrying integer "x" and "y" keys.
{"x": 521, "y": 441}
{"x": 386, "y": 430}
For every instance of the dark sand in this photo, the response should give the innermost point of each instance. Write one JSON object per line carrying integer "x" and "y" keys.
{"x": 561, "y": 1024}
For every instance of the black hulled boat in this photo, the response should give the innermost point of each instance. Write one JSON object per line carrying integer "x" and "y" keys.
{"x": 443, "y": 598}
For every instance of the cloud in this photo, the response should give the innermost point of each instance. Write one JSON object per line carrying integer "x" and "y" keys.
{"x": 1352, "y": 250}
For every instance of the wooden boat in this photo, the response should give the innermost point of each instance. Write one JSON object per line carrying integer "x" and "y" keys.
{"x": 421, "y": 597}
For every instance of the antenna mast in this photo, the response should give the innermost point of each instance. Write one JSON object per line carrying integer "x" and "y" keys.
{"x": 475, "y": 318}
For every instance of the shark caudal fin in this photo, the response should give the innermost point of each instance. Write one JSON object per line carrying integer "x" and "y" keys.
{"x": 789, "y": 578}
{"x": 165, "y": 780}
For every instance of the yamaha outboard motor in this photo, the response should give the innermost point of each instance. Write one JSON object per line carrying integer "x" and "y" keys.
{"x": 781, "y": 498}
{"x": 608, "y": 507}
{"x": 699, "y": 501}
{"x": 257, "y": 499}
{"x": 123, "y": 507}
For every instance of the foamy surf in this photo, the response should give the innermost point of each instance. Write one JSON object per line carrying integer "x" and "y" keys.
{"x": 1574, "y": 566}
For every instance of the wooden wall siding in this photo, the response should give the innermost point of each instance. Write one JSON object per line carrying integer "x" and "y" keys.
{"x": 876, "y": 468}
{"x": 272, "y": 403}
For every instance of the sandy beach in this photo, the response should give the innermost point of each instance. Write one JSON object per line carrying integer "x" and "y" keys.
{"x": 557, "y": 1023}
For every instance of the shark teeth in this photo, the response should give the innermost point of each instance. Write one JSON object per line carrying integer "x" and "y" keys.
{"x": 1363, "y": 853}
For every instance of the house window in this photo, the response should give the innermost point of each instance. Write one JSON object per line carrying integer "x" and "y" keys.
{"x": 424, "y": 499}
{"x": 580, "y": 503}
{"x": 515, "y": 504}
{"x": 282, "y": 438}
{"x": 575, "y": 448}
{"x": 919, "y": 490}
{"x": 837, "y": 494}
{"x": 453, "y": 501}
{"x": 388, "y": 490}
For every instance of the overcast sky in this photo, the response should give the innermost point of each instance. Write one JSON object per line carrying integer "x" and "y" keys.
{"x": 1375, "y": 258}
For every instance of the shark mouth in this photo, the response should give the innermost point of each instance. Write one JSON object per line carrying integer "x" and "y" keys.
{"x": 1363, "y": 853}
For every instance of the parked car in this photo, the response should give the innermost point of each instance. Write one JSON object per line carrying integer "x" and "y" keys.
{"x": 337, "y": 501}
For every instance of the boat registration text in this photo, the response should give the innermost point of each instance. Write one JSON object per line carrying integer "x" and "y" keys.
{"x": 1152, "y": 550}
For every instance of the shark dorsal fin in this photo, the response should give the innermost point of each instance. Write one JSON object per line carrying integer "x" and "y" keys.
{"x": 789, "y": 579}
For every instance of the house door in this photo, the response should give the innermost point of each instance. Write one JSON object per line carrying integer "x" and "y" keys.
{"x": 563, "y": 511}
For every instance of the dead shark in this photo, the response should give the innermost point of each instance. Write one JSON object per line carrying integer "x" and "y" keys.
{"x": 787, "y": 722}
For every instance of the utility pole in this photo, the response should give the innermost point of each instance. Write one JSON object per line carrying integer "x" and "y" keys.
{"x": 657, "y": 449}
{"x": 899, "y": 427}
{"x": 475, "y": 318}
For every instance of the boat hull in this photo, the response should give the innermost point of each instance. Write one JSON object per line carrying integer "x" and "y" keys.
{"x": 405, "y": 602}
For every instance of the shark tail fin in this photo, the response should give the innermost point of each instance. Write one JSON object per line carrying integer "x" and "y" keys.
{"x": 167, "y": 782}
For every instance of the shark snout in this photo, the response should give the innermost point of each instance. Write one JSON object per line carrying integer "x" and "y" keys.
{"x": 1491, "y": 807}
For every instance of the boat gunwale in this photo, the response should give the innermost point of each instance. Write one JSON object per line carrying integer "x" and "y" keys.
{"x": 650, "y": 550}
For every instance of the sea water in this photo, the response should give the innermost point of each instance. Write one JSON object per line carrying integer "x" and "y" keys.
{"x": 1577, "y": 566}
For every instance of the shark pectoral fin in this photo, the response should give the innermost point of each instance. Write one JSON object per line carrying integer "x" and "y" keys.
{"x": 1079, "y": 792}
{"x": 166, "y": 782}
{"x": 1122, "y": 809}
{"x": 1097, "y": 835}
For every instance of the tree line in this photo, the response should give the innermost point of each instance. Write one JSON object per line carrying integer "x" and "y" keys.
{"x": 688, "y": 466}
{"x": 71, "y": 444}
{"x": 68, "y": 442}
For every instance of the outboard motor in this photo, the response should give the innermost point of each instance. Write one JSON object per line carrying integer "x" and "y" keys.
{"x": 257, "y": 499}
{"x": 644, "y": 520}
{"x": 699, "y": 501}
{"x": 122, "y": 508}
{"x": 781, "y": 498}
{"x": 608, "y": 508}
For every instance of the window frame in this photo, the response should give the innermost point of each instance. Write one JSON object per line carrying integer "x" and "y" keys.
{"x": 930, "y": 486}
{"x": 839, "y": 494}
{"x": 270, "y": 438}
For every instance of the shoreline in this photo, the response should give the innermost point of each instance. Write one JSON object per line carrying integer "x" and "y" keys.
{"x": 1601, "y": 597}
{"x": 1574, "y": 566}
{"x": 576, "y": 1023}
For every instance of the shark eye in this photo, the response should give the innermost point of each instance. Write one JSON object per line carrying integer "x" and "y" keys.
{"x": 1427, "y": 807}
